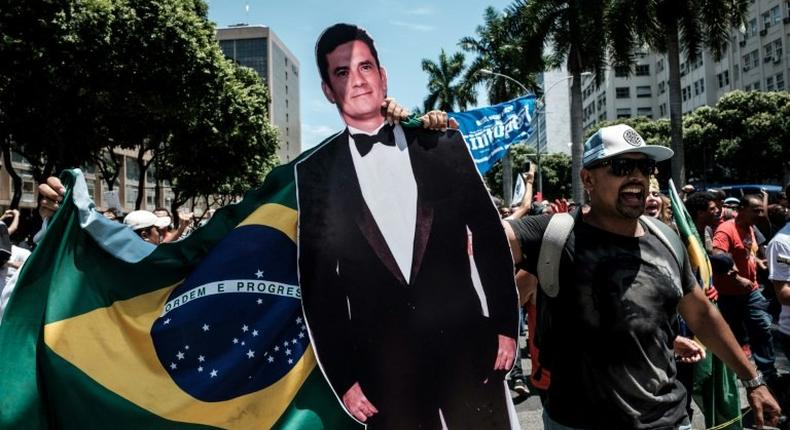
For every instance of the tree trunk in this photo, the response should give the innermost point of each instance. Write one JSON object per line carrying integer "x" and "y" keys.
{"x": 577, "y": 134}
{"x": 16, "y": 180}
{"x": 675, "y": 106}
{"x": 143, "y": 166}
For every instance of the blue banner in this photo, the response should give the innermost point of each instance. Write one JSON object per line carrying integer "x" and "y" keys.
{"x": 489, "y": 131}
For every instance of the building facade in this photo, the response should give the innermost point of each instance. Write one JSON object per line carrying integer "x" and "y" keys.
{"x": 755, "y": 59}
{"x": 259, "y": 48}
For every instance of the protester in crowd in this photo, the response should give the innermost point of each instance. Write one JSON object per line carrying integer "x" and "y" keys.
{"x": 729, "y": 209}
{"x": 777, "y": 216}
{"x": 609, "y": 325}
{"x": 686, "y": 191}
{"x": 665, "y": 215}
{"x": 779, "y": 272}
{"x": 653, "y": 203}
{"x": 147, "y": 225}
{"x": 11, "y": 219}
{"x": 170, "y": 233}
{"x": 740, "y": 300}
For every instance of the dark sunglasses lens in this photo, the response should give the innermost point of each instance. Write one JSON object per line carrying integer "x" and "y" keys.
{"x": 624, "y": 166}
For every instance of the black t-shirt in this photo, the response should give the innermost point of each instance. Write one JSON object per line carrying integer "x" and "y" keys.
{"x": 607, "y": 337}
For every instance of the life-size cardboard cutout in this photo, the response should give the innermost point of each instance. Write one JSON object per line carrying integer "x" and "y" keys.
{"x": 386, "y": 218}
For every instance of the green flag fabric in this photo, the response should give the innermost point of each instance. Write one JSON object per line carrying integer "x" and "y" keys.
{"x": 106, "y": 331}
{"x": 715, "y": 385}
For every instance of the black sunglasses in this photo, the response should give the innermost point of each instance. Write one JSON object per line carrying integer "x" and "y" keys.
{"x": 624, "y": 166}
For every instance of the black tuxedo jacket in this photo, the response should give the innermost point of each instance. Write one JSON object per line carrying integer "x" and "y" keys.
{"x": 359, "y": 307}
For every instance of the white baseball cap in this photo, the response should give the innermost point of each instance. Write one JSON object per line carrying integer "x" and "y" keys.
{"x": 620, "y": 139}
{"x": 143, "y": 219}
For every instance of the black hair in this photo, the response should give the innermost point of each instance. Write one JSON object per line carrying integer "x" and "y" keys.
{"x": 746, "y": 201}
{"x": 698, "y": 202}
{"x": 335, "y": 36}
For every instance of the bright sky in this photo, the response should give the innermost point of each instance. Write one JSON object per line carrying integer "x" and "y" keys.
{"x": 405, "y": 32}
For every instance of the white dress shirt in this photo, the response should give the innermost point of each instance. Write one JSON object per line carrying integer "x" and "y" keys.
{"x": 389, "y": 189}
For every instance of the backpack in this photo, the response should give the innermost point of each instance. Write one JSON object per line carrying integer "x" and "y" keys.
{"x": 548, "y": 272}
{"x": 556, "y": 235}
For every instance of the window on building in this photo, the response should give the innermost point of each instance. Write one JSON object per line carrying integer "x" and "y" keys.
{"x": 28, "y": 188}
{"x": 642, "y": 70}
{"x": 756, "y": 86}
{"x": 662, "y": 109}
{"x": 645, "y": 111}
{"x": 602, "y": 116}
{"x": 660, "y": 65}
{"x": 753, "y": 27}
{"x": 622, "y": 92}
{"x": 747, "y": 61}
{"x": 778, "y": 50}
{"x": 696, "y": 88}
{"x": 768, "y": 51}
{"x": 769, "y": 83}
{"x": 662, "y": 87}
{"x": 724, "y": 78}
{"x": 755, "y": 59}
{"x": 644, "y": 91}
{"x": 780, "y": 81}
{"x": 623, "y": 112}
{"x": 776, "y": 15}
{"x": 766, "y": 20}
{"x": 747, "y": 87}
{"x": 683, "y": 69}
{"x": 132, "y": 169}
{"x": 620, "y": 72}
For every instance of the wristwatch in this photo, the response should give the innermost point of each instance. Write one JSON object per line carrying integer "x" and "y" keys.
{"x": 753, "y": 383}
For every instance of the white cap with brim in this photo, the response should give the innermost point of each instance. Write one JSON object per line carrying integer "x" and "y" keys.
{"x": 619, "y": 139}
{"x": 144, "y": 219}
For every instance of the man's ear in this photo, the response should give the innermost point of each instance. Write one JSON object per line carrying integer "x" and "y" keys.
{"x": 383, "y": 73}
{"x": 588, "y": 181}
{"x": 328, "y": 92}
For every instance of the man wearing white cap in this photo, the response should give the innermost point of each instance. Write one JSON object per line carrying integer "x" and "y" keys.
{"x": 607, "y": 321}
{"x": 147, "y": 225}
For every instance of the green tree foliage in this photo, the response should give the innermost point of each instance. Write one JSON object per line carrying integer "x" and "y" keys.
{"x": 498, "y": 49}
{"x": 744, "y": 138}
{"x": 674, "y": 27}
{"x": 574, "y": 30}
{"x": 444, "y": 90}
{"x": 84, "y": 77}
{"x": 556, "y": 172}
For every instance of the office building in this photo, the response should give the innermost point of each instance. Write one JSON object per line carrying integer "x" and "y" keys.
{"x": 259, "y": 48}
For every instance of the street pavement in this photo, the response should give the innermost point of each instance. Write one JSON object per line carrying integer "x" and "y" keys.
{"x": 530, "y": 412}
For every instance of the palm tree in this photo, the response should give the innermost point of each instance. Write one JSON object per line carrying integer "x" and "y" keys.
{"x": 498, "y": 50}
{"x": 442, "y": 92}
{"x": 660, "y": 24}
{"x": 574, "y": 30}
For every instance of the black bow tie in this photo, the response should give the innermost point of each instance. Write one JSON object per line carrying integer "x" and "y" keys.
{"x": 365, "y": 142}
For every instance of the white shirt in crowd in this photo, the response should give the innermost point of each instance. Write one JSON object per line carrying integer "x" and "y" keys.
{"x": 779, "y": 269}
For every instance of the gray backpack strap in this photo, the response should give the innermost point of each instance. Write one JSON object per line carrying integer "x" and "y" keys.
{"x": 668, "y": 236}
{"x": 554, "y": 238}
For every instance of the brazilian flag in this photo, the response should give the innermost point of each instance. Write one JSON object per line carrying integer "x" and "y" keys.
{"x": 106, "y": 331}
{"x": 715, "y": 386}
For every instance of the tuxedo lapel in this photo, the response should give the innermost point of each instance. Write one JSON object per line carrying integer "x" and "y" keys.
{"x": 349, "y": 194}
{"x": 425, "y": 200}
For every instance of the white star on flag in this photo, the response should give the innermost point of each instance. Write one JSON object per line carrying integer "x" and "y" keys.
{"x": 186, "y": 347}
{"x": 298, "y": 320}
{"x": 276, "y": 348}
{"x": 259, "y": 274}
{"x": 255, "y": 332}
{"x": 293, "y": 341}
{"x": 290, "y": 361}
{"x": 167, "y": 321}
{"x": 260, "y": 301}
{"x": 243, "y": 343}
{"x": 271, "y": 359}
{"x": 173, "y": 366}
{"x": 250, "y": 354}
{"x": 301, "y": 335}
{"x": 213, "y": 373}
{"x": 287, "y": 352}
{"x": 285, "y": 343}
{"x": 200, "y": 369}
{"x": 201, "y": 358}
{"x": 235, "y": 340}
{"x": 180, "y": 355}
{"x": 205, "y": 327}
{"x": 244, "y": 328}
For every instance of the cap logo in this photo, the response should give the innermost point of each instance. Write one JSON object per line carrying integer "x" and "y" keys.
{"x": 633, "y": 138}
